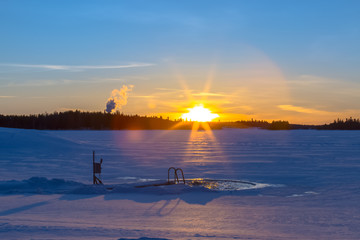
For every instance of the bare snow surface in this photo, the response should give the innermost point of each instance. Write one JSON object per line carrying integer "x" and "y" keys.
{"x": 240, "y": 184}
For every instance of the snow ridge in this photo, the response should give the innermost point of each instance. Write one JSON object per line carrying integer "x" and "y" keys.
{"x": 42, "y": 185}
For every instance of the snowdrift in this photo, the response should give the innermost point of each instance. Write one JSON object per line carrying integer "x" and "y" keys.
{"x": 41, "y": 185}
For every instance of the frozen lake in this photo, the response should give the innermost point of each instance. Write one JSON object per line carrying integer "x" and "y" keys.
{"x": 312, "y": 183}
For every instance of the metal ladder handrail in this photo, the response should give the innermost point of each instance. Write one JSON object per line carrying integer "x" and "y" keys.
{"x": 176, "y": 177}
{"x": 182, "y": 173}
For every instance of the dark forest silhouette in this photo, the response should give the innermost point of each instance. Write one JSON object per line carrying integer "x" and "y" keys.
{"x": 348, "y": 124}
{"x": 77, "y": 120}
{"x": 85, "y": 120}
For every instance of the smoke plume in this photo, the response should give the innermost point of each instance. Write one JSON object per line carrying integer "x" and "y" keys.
{"x": 118, "y": 98}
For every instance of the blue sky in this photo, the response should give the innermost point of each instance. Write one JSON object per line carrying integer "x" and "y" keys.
{"x": 293, "y": 60}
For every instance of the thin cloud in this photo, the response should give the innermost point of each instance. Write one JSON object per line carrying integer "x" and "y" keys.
{"x": 76, "y": 67}
{"x": 7, "y": 96}
{"x": 43, "y": 83}
{"x": 301, "y": 109}
{"x": 237, "y": 108}
{"x": 201, "y": 94}
{"x": 144, "y": 96}
{"x": 207, "y": 94}
{"x": 170, "y": 89}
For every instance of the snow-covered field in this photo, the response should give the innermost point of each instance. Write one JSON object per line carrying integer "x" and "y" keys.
{"x": 307, "y": 185}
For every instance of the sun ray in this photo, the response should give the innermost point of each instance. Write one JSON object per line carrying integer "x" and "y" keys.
{"x": 208, "y": 83}
{"x": 183, "y": 84}
{"x": 208, "y": 130}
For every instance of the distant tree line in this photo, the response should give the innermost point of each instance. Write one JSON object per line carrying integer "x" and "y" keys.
{"x": 77, "y": 120}
{"x": 274, "y": 125}
{"x": 339, "y": 124}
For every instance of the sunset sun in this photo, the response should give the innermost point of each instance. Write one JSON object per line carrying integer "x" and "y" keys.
{"x": 199, "y": 114}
